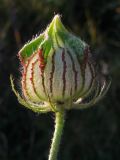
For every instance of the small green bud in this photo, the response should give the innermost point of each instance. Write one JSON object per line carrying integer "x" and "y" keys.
{"x": 58, "y": 71}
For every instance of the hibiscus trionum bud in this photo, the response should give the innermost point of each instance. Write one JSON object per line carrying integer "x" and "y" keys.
{"x": 58, "y": 71}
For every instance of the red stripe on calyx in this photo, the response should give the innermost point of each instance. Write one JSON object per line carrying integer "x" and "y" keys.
{"x": 86, "y": 92}
{"x": 24, "y": 75}
{"x": 85, "y": 58}
{"x": 42, "y": 65}
{"x": 24, "y": 61}
{"x": 24, "y": 80}
{"x": 21, "y": 59}
{"x": 83, "y": 66}
{"x": 32, "y": 77}
{"x": 92, "y": 74}
{"x": 64, "y": 71}
{"x": 82, "y": 74}
{"x": 41, "y": 60}
{"x": 74, "y": 69}
{"x": 52, "y": 72}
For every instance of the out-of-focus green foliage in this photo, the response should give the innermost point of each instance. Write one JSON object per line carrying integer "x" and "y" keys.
{"x": 92, "y": 134}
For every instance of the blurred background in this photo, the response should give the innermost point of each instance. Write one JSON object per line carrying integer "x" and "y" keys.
{"x": 92, "y": 134}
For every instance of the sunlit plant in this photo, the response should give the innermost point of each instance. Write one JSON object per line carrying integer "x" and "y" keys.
{"x": 58, "y": 74}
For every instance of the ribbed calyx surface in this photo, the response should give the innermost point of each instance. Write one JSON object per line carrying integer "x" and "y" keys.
{"x": 58, "y": 69}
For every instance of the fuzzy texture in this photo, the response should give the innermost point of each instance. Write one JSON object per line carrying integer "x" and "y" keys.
{"x": 60, "y": 77}
{"x": 58, "y": 70}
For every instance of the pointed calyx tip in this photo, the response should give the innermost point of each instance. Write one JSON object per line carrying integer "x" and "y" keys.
{"x": 56, "y": 25}
{"x": 57, "y": 16}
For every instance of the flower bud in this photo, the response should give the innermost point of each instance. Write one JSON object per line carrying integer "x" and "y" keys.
{"x": 58, "y": 70}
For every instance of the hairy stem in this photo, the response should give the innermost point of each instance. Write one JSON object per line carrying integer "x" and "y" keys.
{"x": 59, "y": 124}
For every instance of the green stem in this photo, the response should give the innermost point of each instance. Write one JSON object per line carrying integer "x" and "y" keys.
{"x": 59, "y": 124}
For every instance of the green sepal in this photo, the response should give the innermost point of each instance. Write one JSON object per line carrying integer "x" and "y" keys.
{"x": 30, "y": 47}
{"x": 76, "y": 44}
{"x": 46, "y": 47}
{"x": 56, "y": 26}
{"x": 56, "y": 32}
{"x": 46, "y": 40}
